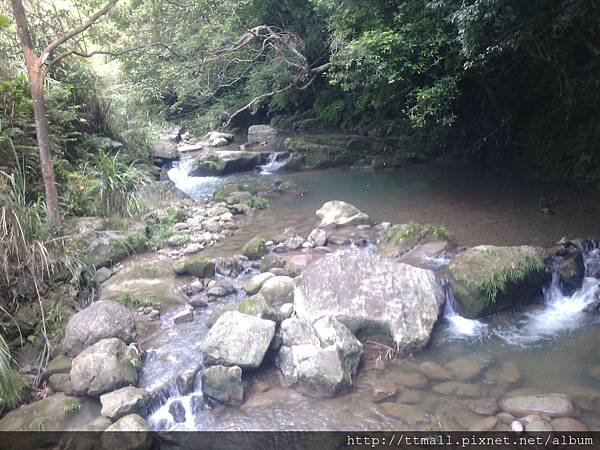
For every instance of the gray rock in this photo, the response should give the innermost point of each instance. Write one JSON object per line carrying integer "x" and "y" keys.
{"x": 278, "y": 290}
{"x": 103, "y": 367}
{"x": 101, "y": 320}
{"x": 238, "y": 197}
{"x": 371, "y": 294}
{"x": 60, "y": 364}
{"x": 61, "y": 382}
{"x": 139, "y": 438}
{"x": 223, "y": 384}
{"x": 187, "y": 315}
{"x": 333, "y": 333}
{"x": 553, "y": 405}
{"x": 253, "y": 284}
{"x": 339, "y": 213}
{"x": 238, "y": 339}
{"x": 102, "y": 274}
{"x": 124, "y": 401}
{"x": 286, "y": 310}
{"x": 177, "y": 410}
{"x": 261, "y": 133}
{"x": 294, "y": 242}
{"x": 296, "y": 331}
{"x": 319, "y": 236}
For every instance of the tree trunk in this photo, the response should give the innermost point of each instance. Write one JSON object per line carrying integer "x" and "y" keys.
{"x": 36, "y": 82}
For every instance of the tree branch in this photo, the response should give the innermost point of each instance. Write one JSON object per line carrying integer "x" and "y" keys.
{"x": 75, "y": 31}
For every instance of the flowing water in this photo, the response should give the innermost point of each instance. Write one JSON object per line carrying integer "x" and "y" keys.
{"x": 553, "y": 344}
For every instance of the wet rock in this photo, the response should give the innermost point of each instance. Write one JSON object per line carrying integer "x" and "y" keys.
{"x": 593, "y": 307}
{"x": 383, "y": 389}
{"x": 196, "y": 266}
{"x": 339, "y": 213}
{"x": 186, "y": 381}
{"x": 269, "y": 262}
{"x": 253, "y": 284}
{"x": 238, "y": 197}
{"x": 255, "y": 248}
{"x": 486, "y": 424}
{"x": 296, "y": 331}
{"x": 319, "y": 369}
{"x": 198, "y": 404}
{"x": 177, "y": 411}
{"x": 484, "y": 406}
{"x": 286, "y": 310}
{"x": 238, "y": 339}
{"x": 567, "y": 424}
{"x": 319, "y": 236}
{"x": 505, "y": 418}
{"x": 571, "y": 271}
{"x": 406, "y": 413}
{"x": 458, "y": 389}
{"x": 507, "y": 373}
{"x": 222, "y": 288}
{"x": 241, "y": 208}
{"x": 223, "y": 384}
{"x": 258, "y": 134}
{"x": 278, "y": 290}
{"x": 102, "y": 319}
{"x": 474, "y": 270}
{"x": 140, "y": 436}
{"x": 371, "y": 295}
{"x": 412, "y": 379}
{"x": 411, "y": 396}
{"x": 434, "y": 371}
{"x": 554, "y": 405}
{"x": 585, "y": 398}
{"x": 333, "y": 333}
{"x": 198, "y": 302}
{"x": 124, "y": 401}
{"x": 103, "y": 367}
{"x": 187, "y": 315}
{"x": 538, "y": 425}
{"x": 467, "y": 368}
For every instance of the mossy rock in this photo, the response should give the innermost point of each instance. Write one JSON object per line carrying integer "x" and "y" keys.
{"x": 399, "y": 239}
{"x": 488, "y": 279}
{"x": 255, "y": 248}
{"x": 270, "y": 261}
{"x": 256, "y": 305}
{"x": 196, "y": 266}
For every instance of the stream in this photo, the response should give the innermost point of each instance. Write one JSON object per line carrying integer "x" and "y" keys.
{"x": 542, "y": 348}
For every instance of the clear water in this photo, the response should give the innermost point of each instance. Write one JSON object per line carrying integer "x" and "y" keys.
{"x": 552, "y": 344}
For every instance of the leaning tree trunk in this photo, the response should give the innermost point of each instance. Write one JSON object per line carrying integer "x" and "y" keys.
{"x": 35, "y": 72}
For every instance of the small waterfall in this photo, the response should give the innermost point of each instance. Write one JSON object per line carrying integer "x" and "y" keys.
{"x": 459, "y": 326}
{"x": 197, "y": 187}
{"x": 273, "y": 164}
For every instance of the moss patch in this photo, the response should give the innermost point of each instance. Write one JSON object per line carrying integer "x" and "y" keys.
{"x": 255, "y": 248}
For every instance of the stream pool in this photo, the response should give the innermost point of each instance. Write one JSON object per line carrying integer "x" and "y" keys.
{"x": 546, "y": 348}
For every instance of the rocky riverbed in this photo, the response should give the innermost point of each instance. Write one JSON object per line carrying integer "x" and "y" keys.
{"x": 354, "y": 311}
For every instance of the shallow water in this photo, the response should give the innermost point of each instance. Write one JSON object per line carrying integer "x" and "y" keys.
{"x": 552, "y": 344}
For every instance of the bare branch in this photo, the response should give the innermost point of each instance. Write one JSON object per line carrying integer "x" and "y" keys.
{"x": 77, "y": 30}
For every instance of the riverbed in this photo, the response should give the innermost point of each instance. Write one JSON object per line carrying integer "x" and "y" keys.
{"x": 545, "y": 348}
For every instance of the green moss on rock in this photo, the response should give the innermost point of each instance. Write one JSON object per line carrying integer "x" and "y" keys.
{"x": 487, "y": 279}
{"x": 196, "y": 266}
{"x": 255, "y": 248}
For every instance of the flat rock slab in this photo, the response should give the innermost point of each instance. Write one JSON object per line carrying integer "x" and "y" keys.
{"x": 124, "y": 401}
{"x": 553, "y": 405}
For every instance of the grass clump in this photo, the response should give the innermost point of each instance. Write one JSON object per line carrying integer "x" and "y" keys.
{"x": 132, "y": 301}
{"x": 257, "y": 202}
{"x": 412, "y": 230}
{"x": 12, "y": 385}
{"x": 72, "y": 406}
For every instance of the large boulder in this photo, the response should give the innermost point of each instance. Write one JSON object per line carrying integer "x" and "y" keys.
{"x": 238, "y": 339}
{"x": 253, "y": 284}
{"x": 339, "y": 213}
{"x": 217, "y": 139}
{"x": 261, "y": 133}
{"x": 124, "y": 401}
{"x": 372, "y": 295}
{"x": 553, "y": 405}
{"x": 139, "y": 437}
{"x": 223, "y": 384}
{"x": 487, "y": 279}
{"x": 101, "y": 320}
{"x": 333, "y": 333}
{"x": 103, "y": 367}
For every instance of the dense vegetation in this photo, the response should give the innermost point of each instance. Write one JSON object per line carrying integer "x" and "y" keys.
{"x": 495, "y": 80}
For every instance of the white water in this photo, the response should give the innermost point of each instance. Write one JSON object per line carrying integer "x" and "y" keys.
{"x": 558, "y": 314}
{"x": 193, "y": 186}
{"x": 272, "y": 165}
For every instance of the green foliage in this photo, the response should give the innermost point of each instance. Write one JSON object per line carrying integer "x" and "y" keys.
{"x": 132, "y": 301}
{"x": 497, "y": 281}
{"x": 257, "y": 202}
{"x": 135, "y": 361}
{"x": 160, "y": 231}
{"x": 40, "y": 423}
{"x": 12, "y": 385}
{"x": 412, "y": 230}
{"x": 72, "y": 406}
